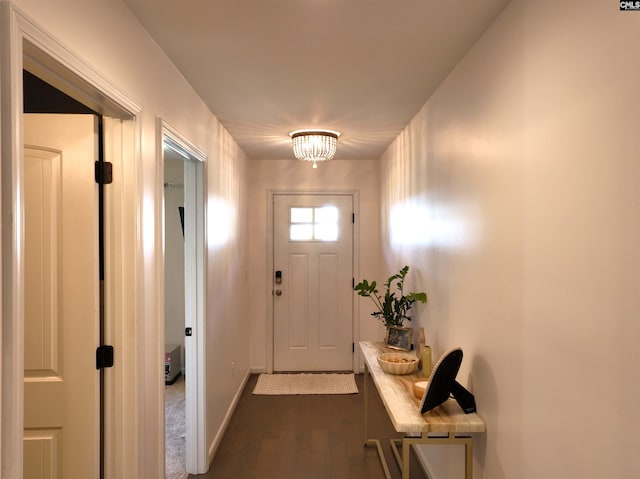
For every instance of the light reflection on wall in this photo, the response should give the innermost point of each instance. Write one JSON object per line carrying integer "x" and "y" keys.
{"x": 221, "y": 222}
{"x": 417, "y": 223}
{"x": 148, "y": 225}
{"x": 409, "y": 224}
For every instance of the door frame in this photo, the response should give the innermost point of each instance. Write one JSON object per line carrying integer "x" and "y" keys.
{"x": 196, "y": 460}
{"x": 355, "y": 322}
{"x": 23, "y": 44}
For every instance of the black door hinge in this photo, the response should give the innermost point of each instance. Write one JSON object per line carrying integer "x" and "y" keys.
{"x": 104, "y": 172}
{"x": 353, "y": 218}
{"x": 104, "y": 357}
{"x": 353, "y": 347}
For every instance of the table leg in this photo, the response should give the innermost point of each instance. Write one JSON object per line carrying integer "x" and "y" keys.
{"x": 402, "y": 458}
{"x": 366, "y": 404}
{"x": 405, "y": 458}
{"x": 468, "y": 463}
{"x": 367, "y": 441}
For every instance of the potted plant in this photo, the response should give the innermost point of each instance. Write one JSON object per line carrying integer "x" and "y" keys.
{"x": 393, "y": 307}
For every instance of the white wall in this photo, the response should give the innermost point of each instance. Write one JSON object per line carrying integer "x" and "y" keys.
{"x": 226, "y": 347}
{"x": 521, "y": 172}
{"x": 107, "y": 37}
{"x": 293, "y": 175}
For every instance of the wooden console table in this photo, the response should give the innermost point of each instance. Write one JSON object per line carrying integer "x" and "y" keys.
{"x": 446, "y": 424}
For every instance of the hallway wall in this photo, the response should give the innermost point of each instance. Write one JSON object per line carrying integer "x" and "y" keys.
{"x": 293, "y": 175}
{"x": 520, "y": 176}
{"x": 105, "y": 35}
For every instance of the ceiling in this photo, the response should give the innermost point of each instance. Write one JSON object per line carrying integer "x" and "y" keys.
{"x": 362, "y": 67}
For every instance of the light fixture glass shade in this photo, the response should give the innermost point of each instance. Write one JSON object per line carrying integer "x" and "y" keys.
{"x": 314, "y": 145}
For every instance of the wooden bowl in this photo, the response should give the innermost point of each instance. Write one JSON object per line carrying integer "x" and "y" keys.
{"x": 398, "y": 363}
{"x": 419, "y": 387}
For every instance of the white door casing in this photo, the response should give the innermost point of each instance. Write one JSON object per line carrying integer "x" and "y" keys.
{"x": 313, "y": 321}
{"x": 61, "y": 390}
{"x": 197, "y": 454}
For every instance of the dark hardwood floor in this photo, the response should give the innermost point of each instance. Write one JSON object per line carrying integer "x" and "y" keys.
{"x": 305, "y": 437}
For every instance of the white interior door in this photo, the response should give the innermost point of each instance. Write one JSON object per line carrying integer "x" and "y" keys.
{"x": 61, "y": 383}
{"x": 313, "y": 272}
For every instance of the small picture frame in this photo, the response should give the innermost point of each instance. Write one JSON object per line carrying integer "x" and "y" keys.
{"x": 399, "y": 337}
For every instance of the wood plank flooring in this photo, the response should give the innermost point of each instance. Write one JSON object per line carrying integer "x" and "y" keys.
{"x": 305, "y": 437}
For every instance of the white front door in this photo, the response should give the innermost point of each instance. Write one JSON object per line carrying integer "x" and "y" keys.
{"x": 313, "y": 274}
{"x": 61, "y": 383}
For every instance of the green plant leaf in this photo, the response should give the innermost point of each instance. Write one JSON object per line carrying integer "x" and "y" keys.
{"x": 392, "y": 309}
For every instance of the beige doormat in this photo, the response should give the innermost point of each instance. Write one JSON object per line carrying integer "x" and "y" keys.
{"x": 305, "y": 383}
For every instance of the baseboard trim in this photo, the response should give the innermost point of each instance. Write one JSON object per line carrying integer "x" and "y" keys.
{"x": 258, "y": 370}
{"x": 227, "y": 418}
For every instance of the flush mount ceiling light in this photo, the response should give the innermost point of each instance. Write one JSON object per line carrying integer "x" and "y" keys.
{"x": 314, "y": 145}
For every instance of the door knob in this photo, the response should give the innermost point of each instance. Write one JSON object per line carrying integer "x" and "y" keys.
{"x": 278, "y": 292}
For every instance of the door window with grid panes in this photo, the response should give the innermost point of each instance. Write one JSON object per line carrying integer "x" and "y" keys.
{"x": 313, "y": 223}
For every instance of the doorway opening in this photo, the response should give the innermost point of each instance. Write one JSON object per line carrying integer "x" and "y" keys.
{"x": 184, "y": 325}
{"x": 30, "y": 48}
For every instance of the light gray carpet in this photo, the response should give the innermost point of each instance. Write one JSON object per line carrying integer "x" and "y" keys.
{"x": 306, "y": 383}
{"x": 175, "y": 430}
